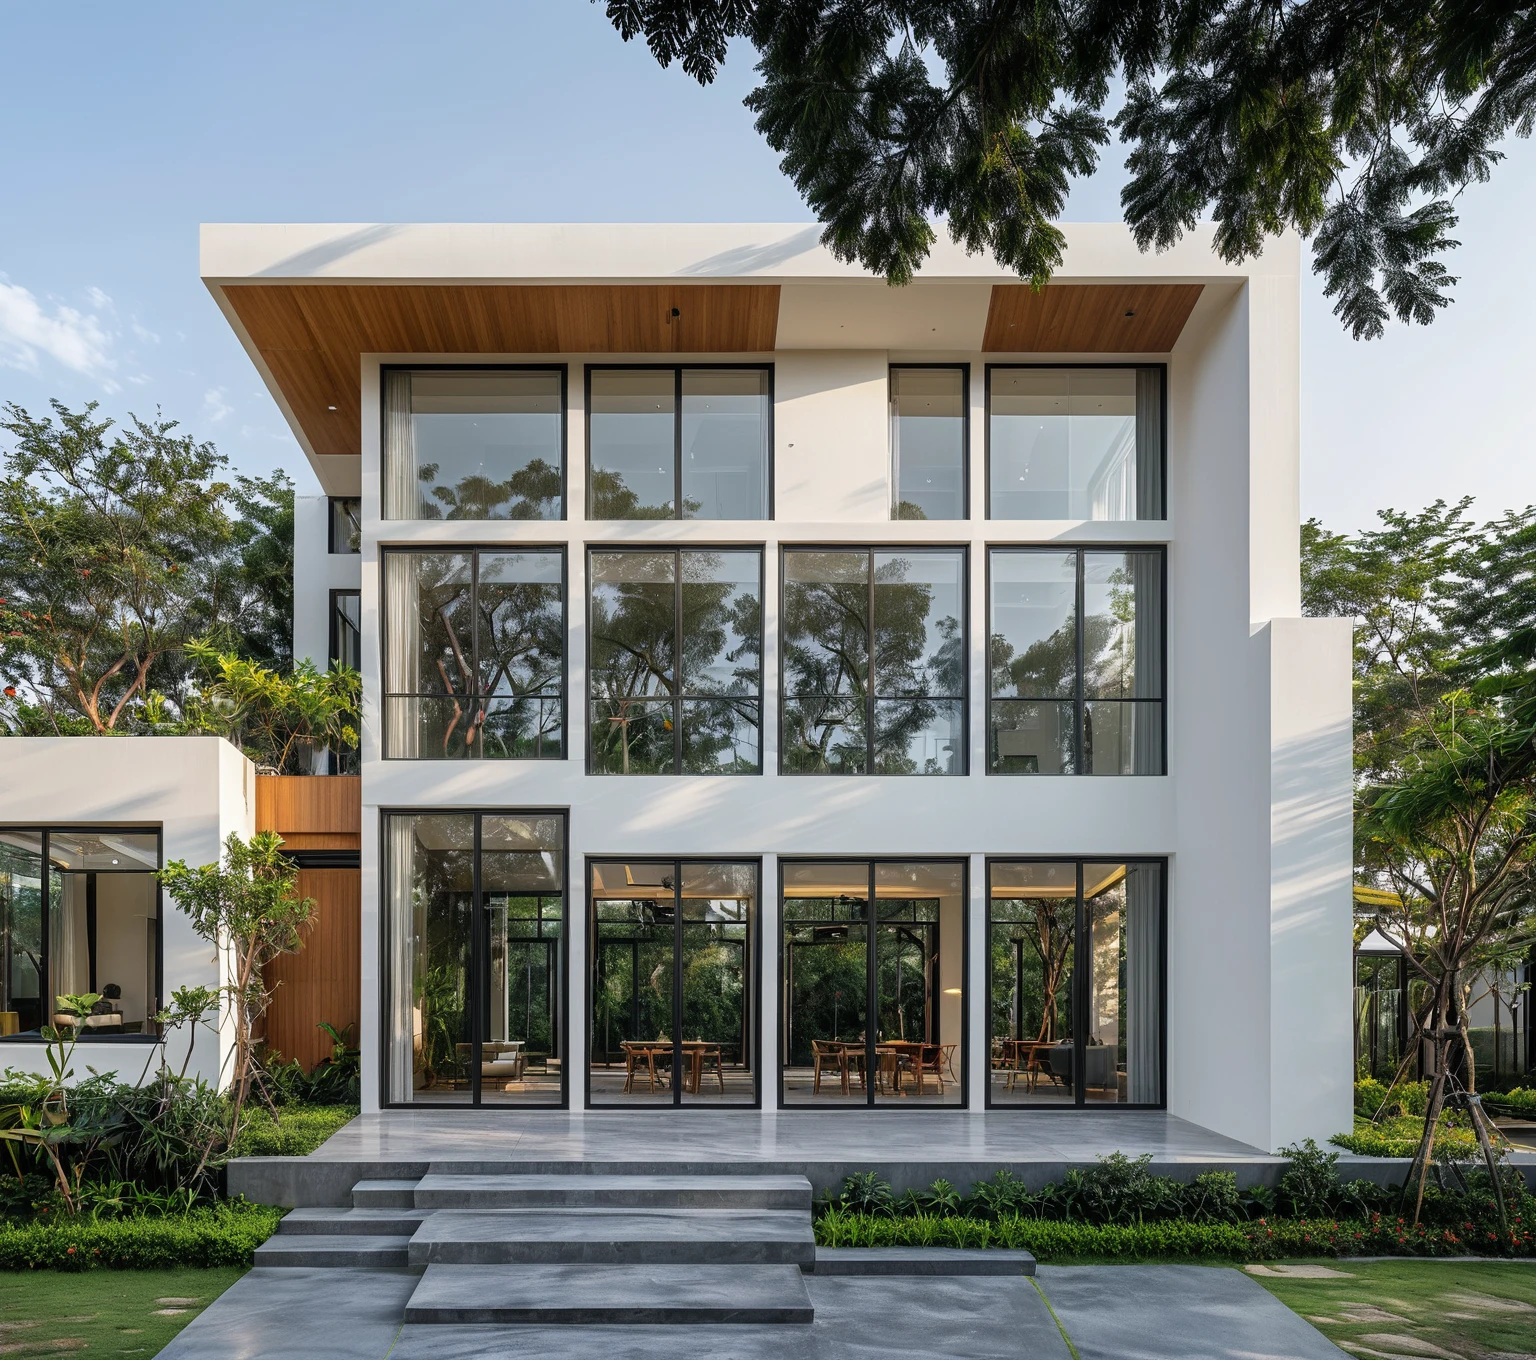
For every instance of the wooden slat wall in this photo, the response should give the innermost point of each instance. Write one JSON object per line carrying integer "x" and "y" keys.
{"x": 1088, "y": 318}
{"x": 321, "y": 981}
{"x": 311, "y": 335}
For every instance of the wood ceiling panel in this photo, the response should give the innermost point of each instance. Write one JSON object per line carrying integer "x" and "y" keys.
{"x": 1088, "y": 318}
{"x": 312, "y": 335}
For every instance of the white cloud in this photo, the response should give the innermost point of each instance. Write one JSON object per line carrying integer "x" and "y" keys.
{"x": 144, "y": 333}
{"x": 215, "y": 408}
{"x": 30, "y": 328}
{"x": 99, "y": 299}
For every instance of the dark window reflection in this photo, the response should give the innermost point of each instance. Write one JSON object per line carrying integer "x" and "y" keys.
{"x": 874, "y": 661}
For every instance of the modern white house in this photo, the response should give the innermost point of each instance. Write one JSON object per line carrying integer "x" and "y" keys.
{"x": 784, "y": 691}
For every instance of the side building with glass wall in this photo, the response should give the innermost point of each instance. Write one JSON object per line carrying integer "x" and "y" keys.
{"x": 784, "y": 691}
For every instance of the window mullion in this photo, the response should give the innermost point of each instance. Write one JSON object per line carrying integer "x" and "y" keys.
{"x": 1081, "y": 714}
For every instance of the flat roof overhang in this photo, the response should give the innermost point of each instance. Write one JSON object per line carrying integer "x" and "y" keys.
{"x": 309, "y": 301}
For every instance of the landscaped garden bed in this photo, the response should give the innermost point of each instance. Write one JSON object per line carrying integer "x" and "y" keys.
{"x": 1119, "y": 1210}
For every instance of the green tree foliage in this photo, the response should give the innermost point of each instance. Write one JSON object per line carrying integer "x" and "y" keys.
{"x": 262, "y": 629}
{"x": 246, "y": 907}
{"x": 532, "y": 492}
{"x": 1445, "y": 747}
{"x": 1355, "y": 126}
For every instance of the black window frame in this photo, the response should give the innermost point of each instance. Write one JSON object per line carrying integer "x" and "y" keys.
{"x": 473, "y": 551}
{"x": 46, "y": 988}
{"x": 1162, "y": 367}
{"x": 754, "y": 1011}
{"x": 565, "y": 431}
{"x": 678, "y": 696}
{"x": 870, "y": 697}
{"x": 1080, "y": 550}
{"x": 334, "y": 643}
{"x": 478, "y": 985}
{"x": 677, "y": 438}
{"x": 331, "y": 502}
{"x": 965, "y": 453}
{"x": 873, "y": 981}
{"x": 1080, "y": 998}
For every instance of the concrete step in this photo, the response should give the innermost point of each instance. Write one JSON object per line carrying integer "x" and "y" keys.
{"x": 312, "y": 1250}
{"x": 615, "y": 1237}
{"x": 597, "y": 1294}
{"x": 384, "y": 1194}
{"x": 922, "y": 1261}
{"x": 367, "y": 1222}
{"x": 613, "y": 1192}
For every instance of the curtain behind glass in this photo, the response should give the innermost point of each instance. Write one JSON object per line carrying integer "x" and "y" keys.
{"x": 403, "y": 924}
{"x": 1149, "y": 444}
{"x": 1147, "y": 735}
{"x": 1143, "y": 983}
{"x": 400, "y": 480}
{"x": 402, "y": 653}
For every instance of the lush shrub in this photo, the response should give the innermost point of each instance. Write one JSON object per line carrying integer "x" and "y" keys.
{"x": 1406, "y": 1098}
{"x": 336, "y": 1080}
{"x": 1520, "y": 1100}
{"x": 1399, "y": 1137}
{"x": 225, "y": 1235}
{"x": 296, "y": 1131}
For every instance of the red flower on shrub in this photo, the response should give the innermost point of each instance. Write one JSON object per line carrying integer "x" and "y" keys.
{"x": 70, "y": 1252}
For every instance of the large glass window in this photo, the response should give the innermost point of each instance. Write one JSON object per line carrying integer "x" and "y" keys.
{"x": 474, "y": 654}
{"x": 475, "y": 930}
{"x": 1076, "y": 661}
{"x": 678, "y": 443}
{"x": 1075, "y": 982}
{"x": 1075, "y": 443}
{"x": 346, "y": 525}
{"x": 673, "y": 968}
{"x": 874, "y": 661}
{"x": 675, "y": 665}
{"x": 79, "y": 914}
{"x": 873, "y": 971}
{"x": 930, "y": 424}
{"x": 474, "y": 443}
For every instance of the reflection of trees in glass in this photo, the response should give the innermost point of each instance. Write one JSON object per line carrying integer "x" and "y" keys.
{"x": 532, "y": 492}
{"x": 612, "y": 499}
{"x": 21, "y": 932}
{"x": 836, "y": 659}
{"x": 1031, "y": 993}
{"x": 829, "y": 982}
{"x": 640, "y": 619}
{"x": 1109, "y": 639}
{"x": 904, "y": 956}
{"x": 714, "y": 985}
{"x": 442, "y": 962}
{"x": 531, "y": 958}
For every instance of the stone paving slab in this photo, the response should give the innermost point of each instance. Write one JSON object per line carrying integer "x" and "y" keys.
{"x": 922, "y": 1261}
{"x": 603, "y": 1295}
{"x": 437, "y": 1191}
{"x": 304, "y": 1251}
{"x": 1177, "y": 1313}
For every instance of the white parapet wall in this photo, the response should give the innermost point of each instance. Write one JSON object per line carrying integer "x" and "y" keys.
{"x": 196, "y": 791}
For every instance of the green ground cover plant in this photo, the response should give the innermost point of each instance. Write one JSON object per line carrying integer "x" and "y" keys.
{"x": 293, "y": 1131}
{"x": 225, "y": 1234}
{"x": 127, "y": 1312}
{"x": 1119, "y": 1210}
{"x": 1436, "y": 1308}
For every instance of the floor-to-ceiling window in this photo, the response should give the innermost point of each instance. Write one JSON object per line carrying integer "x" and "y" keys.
{"x": 872, "y": 965}
{"x": 672, "y": 982}
{"x": 873, "y": 661}
{"x": 1075, "y": 968}
{"x": 475, "y": 939}
{"x": 930, "y": 441}
{"x": 80, "y": 916}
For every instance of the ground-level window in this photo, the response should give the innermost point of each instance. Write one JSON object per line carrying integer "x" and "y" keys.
{"x": 1075, "y": 969}
{"x": 475, "y": 938}
{"x": 873, "y": 971}
{"x": 474, "y": 654}
{"x": 80, "y": 914}
{"x": 672, "y": 982}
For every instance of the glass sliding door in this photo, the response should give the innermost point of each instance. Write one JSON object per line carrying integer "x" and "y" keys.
{"x": 873, "y": 966}
{"x": 1075, "y": 963}
{"x": 475, "y": 930}
{"x": 672, "y": 967}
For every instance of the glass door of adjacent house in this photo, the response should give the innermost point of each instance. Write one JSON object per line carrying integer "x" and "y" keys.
{"x": 873, "y": 965}
{"x": 672, "y": 982}
{"x": 475, "y": 917}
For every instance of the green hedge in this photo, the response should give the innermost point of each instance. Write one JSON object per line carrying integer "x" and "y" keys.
{"x": 227, "y": 1235}
{"x": 1263, "y": 1239}
{"x": 297, "y": 1131}
{"x": 1399, "y": 1137}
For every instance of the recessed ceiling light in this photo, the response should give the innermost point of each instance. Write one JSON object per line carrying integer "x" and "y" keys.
{"x": 332, "y": 408}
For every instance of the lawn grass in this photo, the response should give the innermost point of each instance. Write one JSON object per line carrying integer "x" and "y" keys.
{"x": 1461, "y": 1308}
{"x": 103, "y": 1312}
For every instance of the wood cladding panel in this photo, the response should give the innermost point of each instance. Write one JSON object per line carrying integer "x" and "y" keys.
{"x": 312, "y": 335}
{"x": 322, "y": 982}
{"x": 1088, "y": 318}
{"x": 311, "y": 805}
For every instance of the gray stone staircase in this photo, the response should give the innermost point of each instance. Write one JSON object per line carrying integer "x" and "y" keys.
{"x": 597, "y": 1249}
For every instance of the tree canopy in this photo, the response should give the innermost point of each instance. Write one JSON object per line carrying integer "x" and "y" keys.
{"x": 1355, "y": 125}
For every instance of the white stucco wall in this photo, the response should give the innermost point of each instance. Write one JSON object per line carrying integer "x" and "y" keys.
{"x": 197, "y": 790}
{"x": 317, "y": 572}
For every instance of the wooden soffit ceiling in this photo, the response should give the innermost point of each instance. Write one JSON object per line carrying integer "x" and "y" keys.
{"x": 311, "y": 335}
{"x": 1088, "y": 318}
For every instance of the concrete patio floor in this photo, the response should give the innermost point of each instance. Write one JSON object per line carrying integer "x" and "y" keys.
{"x": 1109, "y": 1312}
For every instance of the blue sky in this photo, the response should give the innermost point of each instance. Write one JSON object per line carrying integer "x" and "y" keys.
{"x": 123, "y": 127}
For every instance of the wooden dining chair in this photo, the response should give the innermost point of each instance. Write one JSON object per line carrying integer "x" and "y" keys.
{"x": 825, "y": 1054}
{"x": 712, "y": 1055}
